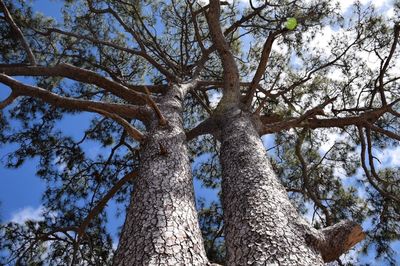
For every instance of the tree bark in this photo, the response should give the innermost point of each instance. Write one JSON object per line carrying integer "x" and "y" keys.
{"x": 261, "y": 225}
{"x": 161, "y": 226}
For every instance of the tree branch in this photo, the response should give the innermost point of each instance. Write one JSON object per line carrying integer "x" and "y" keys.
{"x": 18, "y": 32}
{"x": 231, "y": 96}
{"x": 77, "y": 74}
{"x": 310, "y": 190}
{"x": 102, "y": 203}
{"x": 131, "y": 130}
{"x": 337, "y": 239}
{"x": 385, "y": 66}
{"x": 9, "y": 100}
{"x": 20, "y": 89}
{"x": 157, "y": 110}
{"x": 261, "y": 66}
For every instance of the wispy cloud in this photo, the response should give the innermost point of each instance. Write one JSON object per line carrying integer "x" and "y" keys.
{"x": 28, "y": 213}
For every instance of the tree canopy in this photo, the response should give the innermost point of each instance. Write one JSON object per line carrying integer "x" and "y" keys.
{"x": 322, "y": 82}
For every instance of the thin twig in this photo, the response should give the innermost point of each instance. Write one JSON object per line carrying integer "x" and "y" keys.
{"x": 131, "y": 130}
{"x": 17, "y": 30}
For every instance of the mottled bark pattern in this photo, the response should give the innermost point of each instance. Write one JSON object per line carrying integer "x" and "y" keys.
{"x": 261, "y": 225}
{"x": 161, "y": 226}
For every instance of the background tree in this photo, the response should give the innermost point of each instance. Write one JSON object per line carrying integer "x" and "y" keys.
{"x": 153, "y": 73}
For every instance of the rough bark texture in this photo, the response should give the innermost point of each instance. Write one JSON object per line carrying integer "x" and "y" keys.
{"x": 261, "y": 225}
{"x": 338, "y": 239}
{"x": 161, "y": 226}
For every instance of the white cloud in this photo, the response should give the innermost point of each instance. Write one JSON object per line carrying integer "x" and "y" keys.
{"x": 332, "y": 138}
{"x": 28, "y": 213}
{"x": 214, "y": 97}
{"x": 390, "y": 13}
{"x": 389, "y": 157}
{"x": 345, "y": 4}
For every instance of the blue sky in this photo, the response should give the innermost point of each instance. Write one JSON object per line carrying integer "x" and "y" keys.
{"x": 21, "y": 190}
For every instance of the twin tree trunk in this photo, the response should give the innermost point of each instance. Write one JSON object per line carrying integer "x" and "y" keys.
{"x": 161, "y": 226}
{"x": 261, "y": 225}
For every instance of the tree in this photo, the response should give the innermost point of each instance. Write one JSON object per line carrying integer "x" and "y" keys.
{"x": 150, "y": 72}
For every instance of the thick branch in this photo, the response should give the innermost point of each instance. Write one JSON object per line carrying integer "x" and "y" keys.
{"x": 337, "y": 239}
{"x": 312, "y": 122}
{"x": 125, "y": 110}
{"x": 9, "y": 100}
{"x": 77, "y": 74}
{"x": 261, "y": 66}
{"x": 231, "y": 95}
{"x": 209, "y": 126}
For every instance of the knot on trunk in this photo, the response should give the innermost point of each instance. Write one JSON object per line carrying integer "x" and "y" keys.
{"x": 335, "y": 240}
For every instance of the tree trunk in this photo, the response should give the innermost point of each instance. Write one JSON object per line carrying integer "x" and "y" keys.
{"x": 161, "y": 226}
{"x": 261, "y": 225}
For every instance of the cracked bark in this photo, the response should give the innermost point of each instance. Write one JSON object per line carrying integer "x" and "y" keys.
{"x": 161, "y": 226}
{"x": 261, "y": 225}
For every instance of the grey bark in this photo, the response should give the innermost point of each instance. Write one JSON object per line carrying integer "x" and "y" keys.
{"x": 161, "y": 226}
{"x": 261, "y": 225}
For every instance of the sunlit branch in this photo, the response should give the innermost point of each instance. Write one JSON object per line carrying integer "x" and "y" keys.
{"x": 206, "y": 53}
{"x": 20, "y": 89}
{"x": 77, "y": 74}
{"x": 231, "y": 95}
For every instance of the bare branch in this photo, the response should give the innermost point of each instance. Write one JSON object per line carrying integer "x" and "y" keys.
{"x": 309, "y": 120}
{"x": 139, "y": 40}
{"x": 90, "y": 39}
